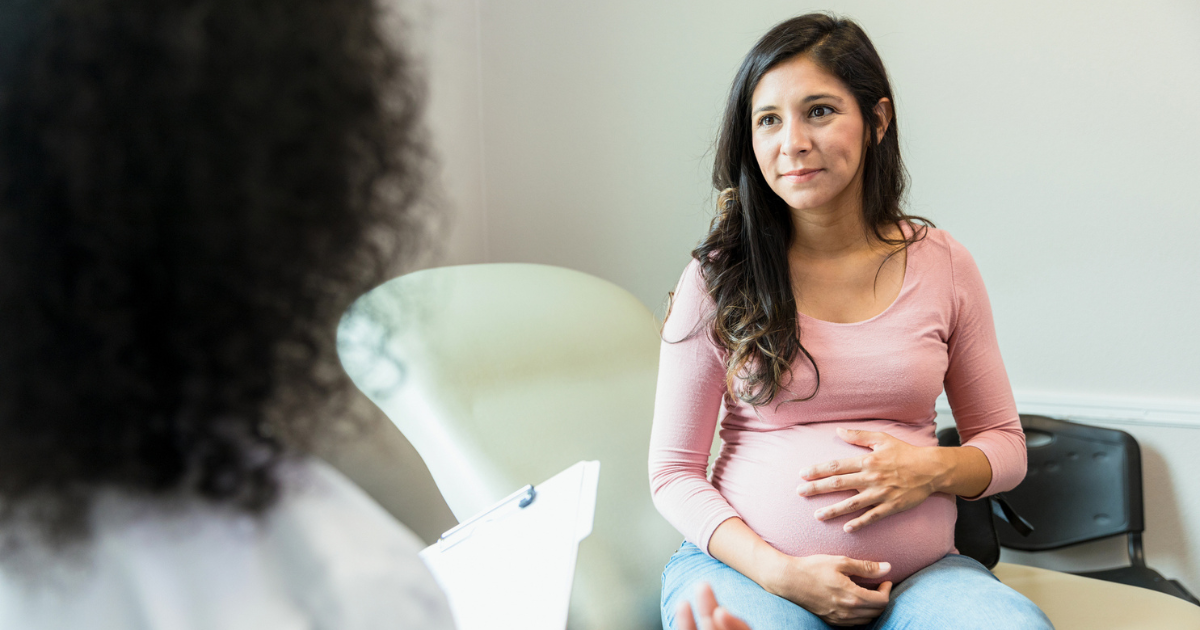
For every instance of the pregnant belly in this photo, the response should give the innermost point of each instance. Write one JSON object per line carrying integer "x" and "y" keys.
{"x": 758, "y": 473}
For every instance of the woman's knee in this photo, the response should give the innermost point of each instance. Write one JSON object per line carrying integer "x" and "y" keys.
{"x": 960, "y": 594}
{"x": 735, "y": 592}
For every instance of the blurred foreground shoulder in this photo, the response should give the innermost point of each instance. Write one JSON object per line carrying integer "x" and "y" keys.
{"x": 325, "y": 557}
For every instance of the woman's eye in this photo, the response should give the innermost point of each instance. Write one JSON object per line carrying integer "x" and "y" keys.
{"x": 821, "y": 111}
{"x": 769, "y": 119}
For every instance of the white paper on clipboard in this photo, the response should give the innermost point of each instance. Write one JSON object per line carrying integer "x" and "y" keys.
{"x": 512, "y": 566}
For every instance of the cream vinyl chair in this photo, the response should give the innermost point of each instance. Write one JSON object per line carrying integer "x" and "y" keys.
{"x": 1073, "y": 602}
{"x": 505, "y": 374}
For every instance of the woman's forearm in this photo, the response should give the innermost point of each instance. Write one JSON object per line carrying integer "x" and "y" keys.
{"x": 966, "y": 471}
{"x": 735, "y": 544}
{"x": 820, "y": 583}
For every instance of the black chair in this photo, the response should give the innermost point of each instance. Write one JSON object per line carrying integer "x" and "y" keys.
{"x": 1083, "y": 483}
{"x": 975, "y": 529}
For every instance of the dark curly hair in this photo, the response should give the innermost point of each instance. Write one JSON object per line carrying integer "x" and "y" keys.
{"x": 743, "y": 258}
{"x": 191, "y": 193}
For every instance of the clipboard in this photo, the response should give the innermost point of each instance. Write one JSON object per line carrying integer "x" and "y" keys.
{"x": 512, "y": 565}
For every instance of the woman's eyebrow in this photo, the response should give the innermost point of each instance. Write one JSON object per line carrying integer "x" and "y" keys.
{"x": 807, "y": 99}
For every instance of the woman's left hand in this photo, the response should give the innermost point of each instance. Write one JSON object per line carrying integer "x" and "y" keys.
{"x": 896, "y": 476}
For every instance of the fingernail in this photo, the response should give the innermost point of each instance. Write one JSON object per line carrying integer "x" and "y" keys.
{"x": 885, "y": 566}
{"x": 806, "y": 472}
{"x": 821, "y": 515}
{"x": 849, "y": 528}
{"x": 804, "y": 489}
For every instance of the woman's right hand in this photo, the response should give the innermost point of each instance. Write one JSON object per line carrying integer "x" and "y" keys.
{"x": 821, "y": 585}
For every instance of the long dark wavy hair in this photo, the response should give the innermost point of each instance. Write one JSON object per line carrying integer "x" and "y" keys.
{"x": 744, "y": 256}
{"x": 191, "y": 193}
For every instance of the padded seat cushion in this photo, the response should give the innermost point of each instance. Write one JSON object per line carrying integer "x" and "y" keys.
{"x": 1073, "y": 602}
{"x": 1144, "y": 577}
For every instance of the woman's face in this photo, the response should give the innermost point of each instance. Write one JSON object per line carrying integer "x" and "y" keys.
{"x": 808, "y": 137}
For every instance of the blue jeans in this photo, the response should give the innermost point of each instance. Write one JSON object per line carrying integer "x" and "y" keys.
{"x": 955, "y": 592}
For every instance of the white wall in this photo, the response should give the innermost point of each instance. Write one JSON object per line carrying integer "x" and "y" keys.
{"x": 1056, "y": 140}
{"x": 444, "y": 36}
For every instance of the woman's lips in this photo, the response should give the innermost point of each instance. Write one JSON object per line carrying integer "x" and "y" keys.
{"x": 801, "y": 175}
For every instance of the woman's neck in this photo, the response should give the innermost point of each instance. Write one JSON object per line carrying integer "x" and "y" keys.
{"x": 831, "y": 234}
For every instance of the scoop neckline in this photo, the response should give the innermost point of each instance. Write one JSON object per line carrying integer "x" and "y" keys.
{"x": 906, "y": 229}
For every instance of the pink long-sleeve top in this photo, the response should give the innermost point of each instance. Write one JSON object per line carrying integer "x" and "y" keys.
{"x": 882, "y": 374}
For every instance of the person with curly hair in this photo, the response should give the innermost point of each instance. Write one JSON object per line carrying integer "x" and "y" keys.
{"x": 191, "y": 194}
{"x": 818, "y": 323}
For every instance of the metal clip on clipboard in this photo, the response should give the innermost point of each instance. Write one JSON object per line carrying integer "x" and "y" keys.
{"x": 523, "y": 498}
{"x": 518, "y": 551}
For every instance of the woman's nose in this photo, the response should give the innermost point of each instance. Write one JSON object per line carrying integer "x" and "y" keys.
{"x": 795, "y": 139}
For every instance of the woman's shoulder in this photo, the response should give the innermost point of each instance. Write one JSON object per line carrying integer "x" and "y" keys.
{"x": 946, "y": 269}
{"x": 316, "y": 494}
{"x": 324, "y": 555}
{"x": 314, "y": 497}
{"x": 689, "y": 304}
{"x": 323, "y": 512}
{"x": 693, "y": 275}
{"x": 938, "y": 248}
{"x": 339, "y": 546}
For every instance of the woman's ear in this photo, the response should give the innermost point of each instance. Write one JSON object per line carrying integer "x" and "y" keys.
{"x": 883, "y": 118}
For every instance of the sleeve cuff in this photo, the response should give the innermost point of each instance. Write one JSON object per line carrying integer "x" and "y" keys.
{"x": 711, "y": 526}
{"x": 1004, "y": 477}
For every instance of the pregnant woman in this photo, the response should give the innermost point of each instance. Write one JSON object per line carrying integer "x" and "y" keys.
{"x": 818, "y": 323}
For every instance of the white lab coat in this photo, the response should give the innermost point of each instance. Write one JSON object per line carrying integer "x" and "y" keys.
{"x": 325, "y": 557}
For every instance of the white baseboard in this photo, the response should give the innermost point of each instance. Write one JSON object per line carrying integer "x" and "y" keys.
{"x": 1109, "y": 410}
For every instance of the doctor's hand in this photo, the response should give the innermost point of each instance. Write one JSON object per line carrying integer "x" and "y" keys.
{"x": 895, "y": 476}
{"x": 709, "y": 615}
